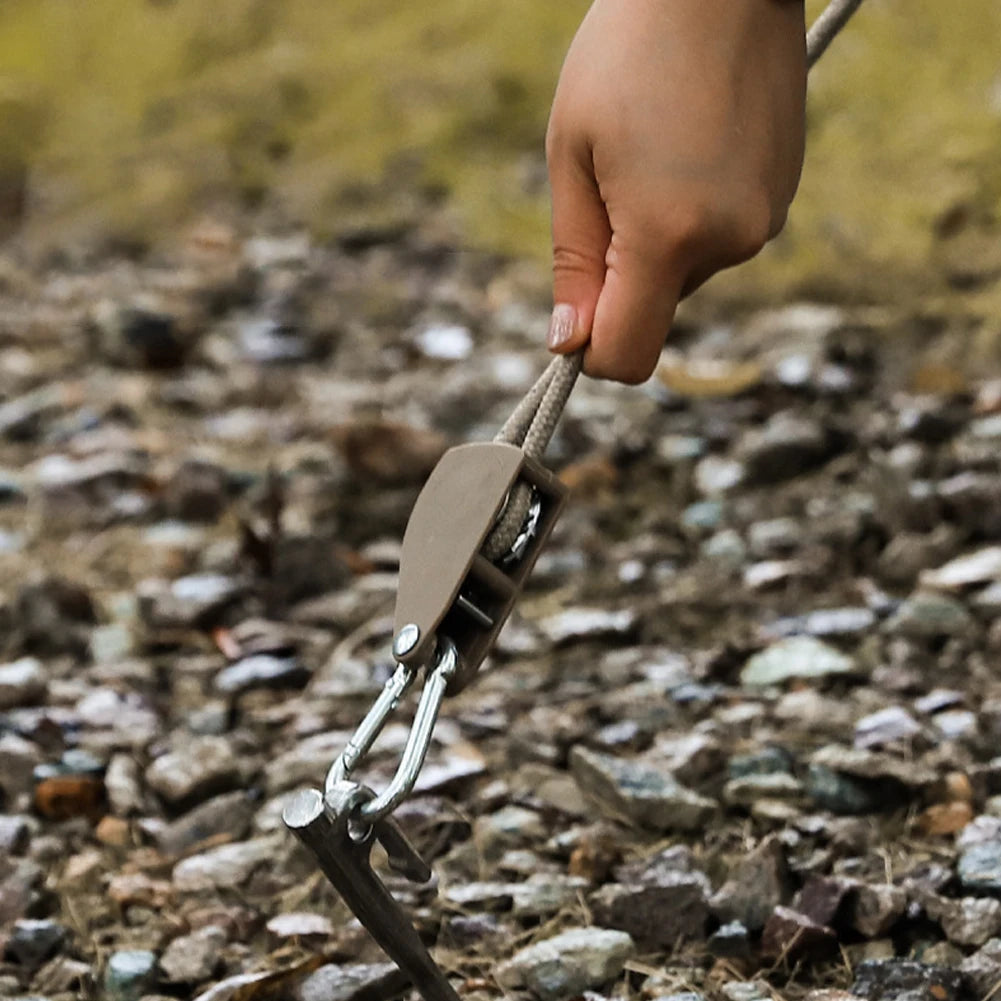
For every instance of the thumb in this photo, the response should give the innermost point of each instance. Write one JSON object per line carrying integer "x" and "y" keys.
{"x": 581, "y": 233}
{"x": 634, "y": 312}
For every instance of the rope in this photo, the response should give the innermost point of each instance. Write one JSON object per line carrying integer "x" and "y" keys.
{"x": 534, "y": 420}
{"x": 830, "y": 21}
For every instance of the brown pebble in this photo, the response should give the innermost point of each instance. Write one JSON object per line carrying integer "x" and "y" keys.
{"x": 113, "y": 831}
{"x": 65, "y": 796}
{"x": 945, "y": 818}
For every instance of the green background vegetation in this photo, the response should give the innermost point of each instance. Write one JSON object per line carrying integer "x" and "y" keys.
{"x": 129, "y": 116}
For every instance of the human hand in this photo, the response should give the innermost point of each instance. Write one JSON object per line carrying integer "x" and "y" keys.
{"x": 675, "y": 146}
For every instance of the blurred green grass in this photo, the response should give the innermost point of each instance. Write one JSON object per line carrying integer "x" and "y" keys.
{"x": 131, "y": 116}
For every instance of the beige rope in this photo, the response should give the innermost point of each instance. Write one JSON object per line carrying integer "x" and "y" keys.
{"x": 534, "y": 420}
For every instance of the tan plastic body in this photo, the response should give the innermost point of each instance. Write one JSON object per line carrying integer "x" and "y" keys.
{"x": 442, "y": 572}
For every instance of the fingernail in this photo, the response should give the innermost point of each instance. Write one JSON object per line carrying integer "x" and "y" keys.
{"x": 562, "y": 325}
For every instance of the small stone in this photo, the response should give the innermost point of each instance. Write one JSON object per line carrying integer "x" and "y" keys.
{"x": 351, "y": 982}
{"x": 506, "y": 828}
{"x": 129, "y": 975}
{"x": 774, "y": 537}
{"x": 927, "y": 616}
{"x": 797, "y": 657}
{"x": 229, "y": 814}
{"x": 786, "y": 446}
{"x": 195, "y": 601}
{"x": 191, "y": 959}
{"x": 300, "y": 925}
{"x": 967, "y": 921}
{"x": 756, "y": 884}
{"x": 226, "y": 865}
{"x": 875, "y": 908}
{"x": 445, "y": 342}
{"x": 982, "y": 970}
{"x": 981, "y": 567}
{"x": 587, "y": 623}
{"x": 716, "y": 475}
{"x": 22, "y": 683}
{"x": 196, "y": 492}
{"x": 746, "y": 990}
{"x": 113, "y": 831}
{"x": 645, "y": 795}
{"x": 14, "y": 835}
{"x": 199, "y": 767}
{"x": 123, "y": 786}
{"x": 747, "y": 791}
{"x": 793, "y": 937}
{"x": 945, "y": 818}
{"x": 568, "y": 964}
{"x": 656, "y": 915}
{"x": 31, "y": 942}
{"x": 821, "y": 897}
{"x": 705, "y": 516}
{"x": 979, "y": 867}
{"x": 885, "y": 980}
{"x": 261, "y": 670}
{"x": 885, "y": 727}
{"x": 730, "y": 941}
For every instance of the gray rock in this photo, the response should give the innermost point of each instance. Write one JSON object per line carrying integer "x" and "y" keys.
{"x": 982, "y": 970}
{"x": 927, "y": 616}
{"x": 31, "y": 942}
{"x": 229, "y": 814}
{"x": 352, "y": 982}
{"x": 22, "y": 683}
{"x": 822, "y": 622}
{"x": 885, "y": 727}
{"x": 568, "y": 964}
{"x": 122, "y": 782}
{"x": 300, "y": 925}
{"x": 226, "y": 865}
{"x": 18, "y": 760}
{"x": 704, "y": 516}
{"x": 129, "y": 975}
{"x": 261, "y": 670}
{"x": 875, "y": 908}
{"x": 14, "y": 835}
{"x": 716, "y": 475}
{"x": 587, "y": 623}
{"x": 190, "y": 959}
{"x": 199, "y": 767}
{"x": 786, "y": 446}
{"x": 656, "y": 915}
{"x": 757, "y": 884}
{"x": 795, "y": 658}
{"x": 974, "y": 500}
{"x": 194, "y": 601}
{"x": 979, "y": 867}
{"x": 767, "y": 761}
{"x": 730, "y": 941}
{"x": 774, "y": 537}
{"x": 966, "y": 921}
{"x": 643, "y": 794}
{"x": 980, "y": 567}
{"x": 445, "y": 342}
{"x": 749, "y": 789}
{"x": 884, "y": 980}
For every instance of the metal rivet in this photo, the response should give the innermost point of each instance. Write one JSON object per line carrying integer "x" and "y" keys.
{"x": 406, "y": 639}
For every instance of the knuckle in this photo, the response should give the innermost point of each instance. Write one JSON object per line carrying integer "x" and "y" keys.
{"x": 569, "y": 260}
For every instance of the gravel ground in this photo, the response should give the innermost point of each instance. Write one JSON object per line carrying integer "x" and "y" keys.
{"x": 738, "y": 742}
